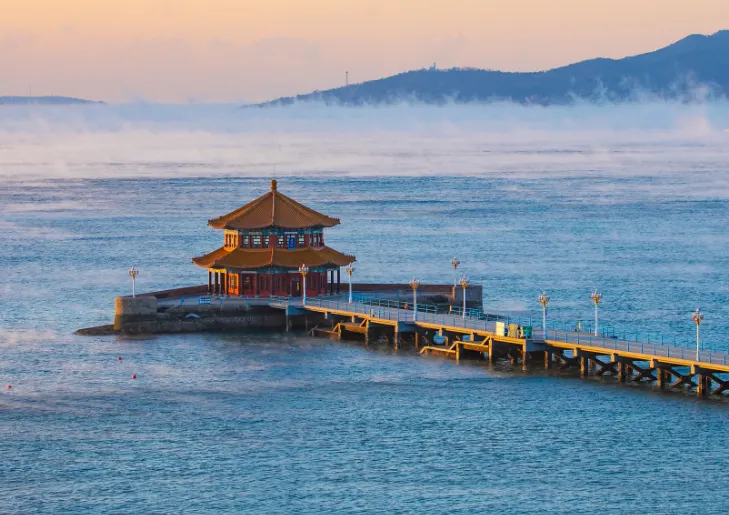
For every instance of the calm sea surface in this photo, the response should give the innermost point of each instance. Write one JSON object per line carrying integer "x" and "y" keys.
{"x": 635, "y": 204}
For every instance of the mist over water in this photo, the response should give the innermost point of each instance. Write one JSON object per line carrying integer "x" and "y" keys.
{"x": 630, "y": 199}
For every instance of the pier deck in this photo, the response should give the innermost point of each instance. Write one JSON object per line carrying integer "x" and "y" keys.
{"x": 669, "y": 366}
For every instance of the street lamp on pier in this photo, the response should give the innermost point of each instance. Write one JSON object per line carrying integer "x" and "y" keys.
{"x": 698, "y": 317}
{"x": 350, "y": 271}
{"x": 454, "y": 264}
{"x": 303, "y": 270}
{"x": 415, "y": 284}
{"x": 464, "y": 284}
{"x": 596, "y": 298}
{"x": 133, "y": 273}
{"x": 544, "y": 300}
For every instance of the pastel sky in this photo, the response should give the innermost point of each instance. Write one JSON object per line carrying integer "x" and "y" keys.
{"x": 250, "y": 50}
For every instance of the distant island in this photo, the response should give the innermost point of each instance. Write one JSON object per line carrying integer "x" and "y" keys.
{"x": 694, "y": 67}
{"x": 48, "y": 100}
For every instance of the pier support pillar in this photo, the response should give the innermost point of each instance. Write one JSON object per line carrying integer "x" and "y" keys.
{"x": 491, "y": 352}
{"x": 417, "y": 343}
{"x": 524, "y": 358}
{"x": 622, "y": 372}
{"x": 662, "y": 378}
{"x": 702, "y": 389}
{"x": 584, "y": 366}
{"x": 547, "y": 360}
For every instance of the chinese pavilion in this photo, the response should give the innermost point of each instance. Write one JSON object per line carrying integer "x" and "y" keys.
{"x": 266, "y": 242}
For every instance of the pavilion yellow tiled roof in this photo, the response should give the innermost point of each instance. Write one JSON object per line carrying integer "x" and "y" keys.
{"x": 272, "y": 210}
{"x": 247, "y": 259}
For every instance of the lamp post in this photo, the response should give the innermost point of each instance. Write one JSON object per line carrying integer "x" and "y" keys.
{"x": 133, "y": 273}
{"x": 454, "y": 264}
{"x": 698, "y": 317}
{"x": 303, "y": 270}
{"x": 596, "y": 298}
{"x": 464, "y": 284}
{"x": 350, "y": 271}
{"x": 415, "y": 284}
{"x": 544, "y": 300}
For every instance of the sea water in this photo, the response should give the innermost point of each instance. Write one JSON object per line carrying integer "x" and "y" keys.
{"x": 630, "y": 200}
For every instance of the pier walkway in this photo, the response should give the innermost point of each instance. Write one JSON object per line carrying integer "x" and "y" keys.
{"x": 670, "y": 366}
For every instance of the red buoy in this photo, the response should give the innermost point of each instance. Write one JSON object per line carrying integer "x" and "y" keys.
{"x": 134, "y": 376}
{"x": 118, "y": 358}
{"x": 10, "y": 387}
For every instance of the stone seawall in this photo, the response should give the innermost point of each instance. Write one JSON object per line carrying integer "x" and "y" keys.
{"x": 218, "y": 322}
{"x": 141, "y": 315}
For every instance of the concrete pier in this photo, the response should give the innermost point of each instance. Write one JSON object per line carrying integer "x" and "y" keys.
{"x": 394, "y": 321}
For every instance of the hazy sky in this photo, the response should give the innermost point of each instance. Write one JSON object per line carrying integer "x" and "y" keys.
{"x": 233, "y": 50}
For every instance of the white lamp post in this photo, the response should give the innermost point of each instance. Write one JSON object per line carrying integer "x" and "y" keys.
{"x": 544, "y": 300}
{"x": 698, "y": 317}
{"x": 415, "y": 284}
{"x": 350, "y": 271}
{"x": 596, "y": 298}
{"x": 464, "y": 284}
{"x": 133, "y": 273}
{"x": 454, "y": 264}
{"x": 303, "y": 270}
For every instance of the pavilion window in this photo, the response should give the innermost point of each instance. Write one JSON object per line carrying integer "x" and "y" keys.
{"x": 247, "y": 282}
{"x": 244, "y": 241}
{"x": 266, "y": 241}
{"x": 256, "y": 242}
{"x": 280, "y": 241}
{"x": 302, "y": 240}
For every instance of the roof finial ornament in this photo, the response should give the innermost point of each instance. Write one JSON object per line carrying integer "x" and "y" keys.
{"x": 274, "y": 185}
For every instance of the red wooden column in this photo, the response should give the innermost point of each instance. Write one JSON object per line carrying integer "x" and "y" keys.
{"x": 339, "y": 280}
{"x": 210, "y": 281}
{"x": 217, "y": 278}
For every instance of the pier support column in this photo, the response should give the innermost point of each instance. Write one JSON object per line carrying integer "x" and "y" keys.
{"x": 547, "y": 360}
{"x": 491, "y": 352}
{"x": 524, "y": 358}
{"x": 622, "y": 372}
{"x": 662, "y": 378}
{"x": 396, "y": 340}
{"x": 702, "y": 389}
{"x": 210, "y": 282}
{"x": 584, "y": 366}
{"x": 417, "y": 345}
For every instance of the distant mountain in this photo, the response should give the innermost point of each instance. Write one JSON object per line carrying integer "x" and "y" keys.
{"x": 51, "y": 100}
{"x": 696, "y": 65}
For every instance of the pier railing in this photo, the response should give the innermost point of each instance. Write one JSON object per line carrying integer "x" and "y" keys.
{"x": 395, "y": 310}
{"x": 388, "y": 303}
{"x": 554, "y": 335}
